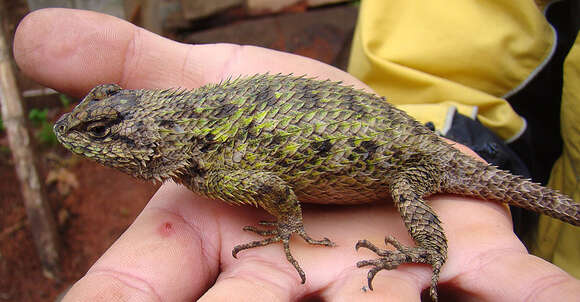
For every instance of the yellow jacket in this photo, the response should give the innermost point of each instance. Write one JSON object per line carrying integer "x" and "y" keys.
{"x": 433, "y": 59}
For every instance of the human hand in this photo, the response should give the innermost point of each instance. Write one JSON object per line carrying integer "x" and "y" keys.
{"x": 179, "y": 248}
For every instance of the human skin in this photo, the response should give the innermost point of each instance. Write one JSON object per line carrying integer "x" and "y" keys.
{"x": 179, "y": 247}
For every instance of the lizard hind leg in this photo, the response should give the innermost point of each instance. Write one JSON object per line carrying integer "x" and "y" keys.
{"x": 273, "y": 194}
{"x": 425, "y": 229}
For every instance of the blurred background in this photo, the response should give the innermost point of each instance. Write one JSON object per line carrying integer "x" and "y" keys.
{"x": 84, "y": 207}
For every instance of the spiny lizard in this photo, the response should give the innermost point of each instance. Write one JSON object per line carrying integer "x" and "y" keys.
{"x": 273, "y": 141}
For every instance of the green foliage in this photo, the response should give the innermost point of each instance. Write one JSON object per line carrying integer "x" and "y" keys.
{"x": 45, "y": 135}
{"x": 64, "y": 100}
{"x": 37, "y": 116}
{"x": 1, "y": 125}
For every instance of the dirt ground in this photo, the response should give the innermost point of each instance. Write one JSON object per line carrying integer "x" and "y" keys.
{"x": 93, "y": 204}
{"x": 90, "y": 218}
{"x": 99, "y": 205}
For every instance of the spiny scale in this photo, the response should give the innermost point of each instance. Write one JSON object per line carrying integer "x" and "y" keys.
{"x": 274, "y": 140}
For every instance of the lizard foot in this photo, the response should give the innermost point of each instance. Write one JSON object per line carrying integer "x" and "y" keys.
{"x": 392, "y": 259}
{"x": 281, "y": 233}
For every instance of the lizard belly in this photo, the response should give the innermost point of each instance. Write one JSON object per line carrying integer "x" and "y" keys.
{"x": 344, "y": 196}
{"x": 341, "y": 190}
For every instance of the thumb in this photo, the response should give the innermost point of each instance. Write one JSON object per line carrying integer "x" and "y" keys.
{"x": 74, "y": 50}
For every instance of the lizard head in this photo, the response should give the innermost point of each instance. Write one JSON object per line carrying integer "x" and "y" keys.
{"x": 122, "y": 129}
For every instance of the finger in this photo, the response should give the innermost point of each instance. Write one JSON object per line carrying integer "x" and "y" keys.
{"x": 164, "y": 255}
{"x": 397, "y": 285}
{"x": 73, "y": 50}
{"x": 463, "y": 149}
{"x": 516, "y": 277}
{"x": 235, "y": 287}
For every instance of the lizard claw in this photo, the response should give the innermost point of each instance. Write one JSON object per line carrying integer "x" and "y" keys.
{"x": 281, "y": 233}
{"x": 391, "y": 259}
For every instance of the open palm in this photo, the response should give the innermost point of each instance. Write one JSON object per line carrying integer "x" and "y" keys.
{"x": 179, "y": 248}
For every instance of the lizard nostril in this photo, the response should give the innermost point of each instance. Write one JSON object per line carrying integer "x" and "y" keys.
{"x": 59, "y": 128}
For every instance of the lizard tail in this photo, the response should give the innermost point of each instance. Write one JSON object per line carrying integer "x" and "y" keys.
{"x": 488, "y": 182}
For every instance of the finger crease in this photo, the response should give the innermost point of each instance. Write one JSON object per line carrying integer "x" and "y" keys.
{"x": 184, "y": 65}
{"x": 129, "y": 280}
{"x": 232, "y": 59}
{"x": 131, "y": 51}
{"x": 542, "y": 284}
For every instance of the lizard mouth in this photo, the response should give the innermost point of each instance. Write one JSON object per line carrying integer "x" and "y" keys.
{"x": 60, "y": 129}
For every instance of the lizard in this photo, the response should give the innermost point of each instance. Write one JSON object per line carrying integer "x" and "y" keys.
{"x": 276, "y": 141}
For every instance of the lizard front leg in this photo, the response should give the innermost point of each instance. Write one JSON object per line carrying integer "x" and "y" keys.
{"x": 424, "y": 227}
{"x": 273, "y": 194}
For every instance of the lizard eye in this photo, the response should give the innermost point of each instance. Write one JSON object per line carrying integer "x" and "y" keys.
{"x": 98, "y": 130}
